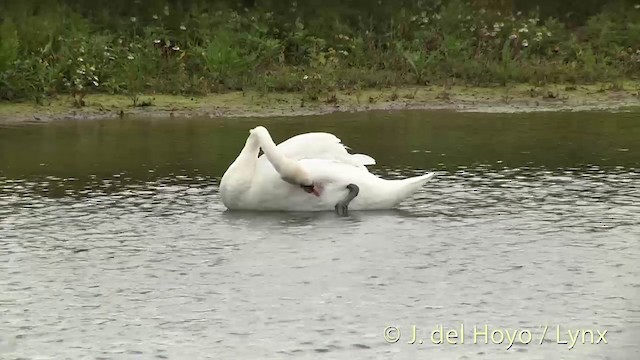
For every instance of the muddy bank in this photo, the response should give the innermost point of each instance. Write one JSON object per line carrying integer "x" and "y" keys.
{"x": 520, "y": 98}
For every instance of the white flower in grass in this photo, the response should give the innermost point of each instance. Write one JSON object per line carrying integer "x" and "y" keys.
{"x": 183, "y": 28}
{"x": 130, "y": 57}
{"x": 133, "y": 19}
{"x": 525, "y": 43}
{"x": 513, "y": 36}
{"x": 155, "y": 17}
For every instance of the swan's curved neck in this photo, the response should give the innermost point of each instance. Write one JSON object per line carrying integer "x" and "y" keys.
{"x": 289, "y": 170}
{"x": 245, "y": 163}
{"x": 271, "y": 151}
{"x": 251, "y": 149}
{"x": 238, "y": 180}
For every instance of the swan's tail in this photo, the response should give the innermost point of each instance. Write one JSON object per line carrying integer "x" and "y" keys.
{"x": 416, "y": 182}
{"x": 406, "y": 187}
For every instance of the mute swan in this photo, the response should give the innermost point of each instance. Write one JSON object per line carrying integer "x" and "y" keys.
{"x": 308, "y": 172}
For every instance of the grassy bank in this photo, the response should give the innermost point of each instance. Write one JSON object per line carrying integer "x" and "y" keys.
{"x": 516, "y": 98}
{"x": 52, "y": 53}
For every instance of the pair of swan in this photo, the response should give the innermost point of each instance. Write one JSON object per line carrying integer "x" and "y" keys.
{"x": 308, "y": 172}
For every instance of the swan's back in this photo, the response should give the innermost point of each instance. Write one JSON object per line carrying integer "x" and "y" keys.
{"x": 320, "y": 145}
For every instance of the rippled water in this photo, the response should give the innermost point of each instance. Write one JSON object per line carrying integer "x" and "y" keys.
{"x": 114, "y": 243}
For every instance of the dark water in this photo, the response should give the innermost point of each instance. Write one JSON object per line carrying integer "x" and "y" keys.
{"x": 114, "y": 243}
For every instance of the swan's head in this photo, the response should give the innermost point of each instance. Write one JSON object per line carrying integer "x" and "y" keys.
{"x": 297, "y": 176}
{"x": 301, "y": 178}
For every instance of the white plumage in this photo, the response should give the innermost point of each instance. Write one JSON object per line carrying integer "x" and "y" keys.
{"x": 258, "y": 183}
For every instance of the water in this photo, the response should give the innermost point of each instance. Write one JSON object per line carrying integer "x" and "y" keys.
{"x": 114, "y": 243}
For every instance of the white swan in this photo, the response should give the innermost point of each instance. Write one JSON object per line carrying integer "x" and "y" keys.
{"x": 308, "y": 172}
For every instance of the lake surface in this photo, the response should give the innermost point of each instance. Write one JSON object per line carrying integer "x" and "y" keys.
{"x": 114, "y": 243}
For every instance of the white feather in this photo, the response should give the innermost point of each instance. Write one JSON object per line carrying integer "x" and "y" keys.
{"x": 253, "y": 183}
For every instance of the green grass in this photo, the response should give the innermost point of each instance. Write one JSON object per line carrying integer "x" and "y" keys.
{"x": 60, "y": 51}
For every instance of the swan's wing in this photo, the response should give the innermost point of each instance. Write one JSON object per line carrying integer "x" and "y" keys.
{"x": 319, "y": 145}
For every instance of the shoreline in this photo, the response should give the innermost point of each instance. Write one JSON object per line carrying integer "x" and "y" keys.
{"x": 511, "y": 99}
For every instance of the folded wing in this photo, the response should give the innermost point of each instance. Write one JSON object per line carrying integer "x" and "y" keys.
{"x": 319, "y": 145}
